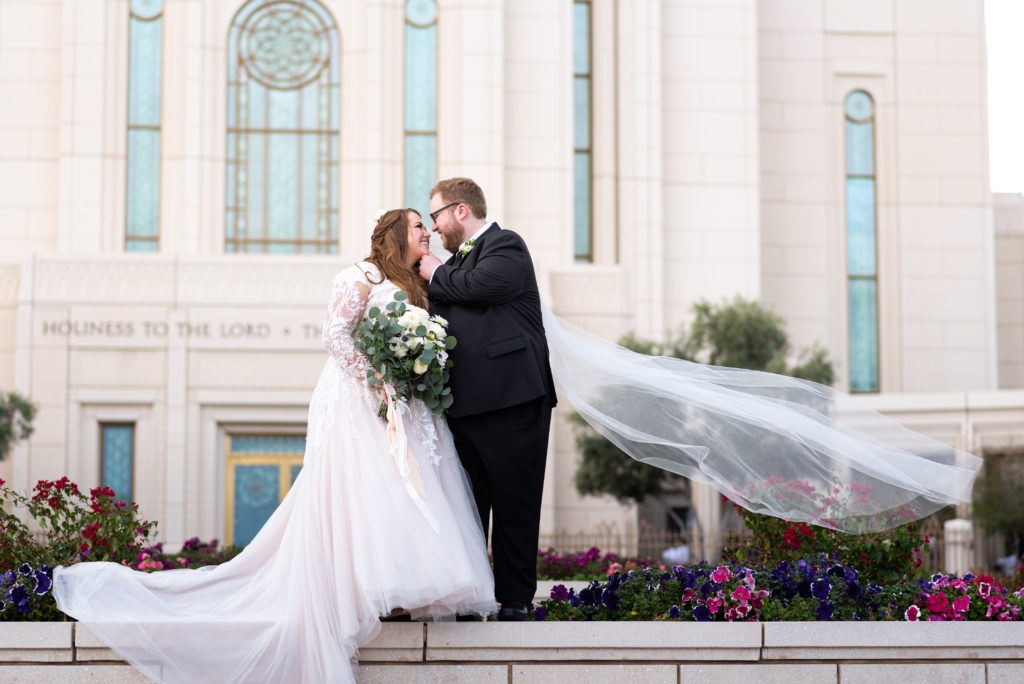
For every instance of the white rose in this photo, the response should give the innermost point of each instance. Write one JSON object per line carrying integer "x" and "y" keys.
{"x": 436, "y": 329}
{"x": 419, "y": 367}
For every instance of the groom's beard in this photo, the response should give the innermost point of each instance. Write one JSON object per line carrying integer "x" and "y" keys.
{"x": 451, "y": 241}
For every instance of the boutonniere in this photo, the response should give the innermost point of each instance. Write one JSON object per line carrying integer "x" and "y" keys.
{"x": 466, "y": 247}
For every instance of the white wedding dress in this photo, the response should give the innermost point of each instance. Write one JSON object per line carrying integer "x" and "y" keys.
{"x": 349, "y": 543}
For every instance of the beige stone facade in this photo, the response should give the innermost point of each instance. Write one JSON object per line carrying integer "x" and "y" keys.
{"x": 717, "y": 170}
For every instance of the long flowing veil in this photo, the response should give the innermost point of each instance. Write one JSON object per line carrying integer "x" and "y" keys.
{"x": 773, "y": 444}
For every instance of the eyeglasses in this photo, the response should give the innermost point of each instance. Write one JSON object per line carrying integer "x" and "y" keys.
{"x": 435, "y": 214}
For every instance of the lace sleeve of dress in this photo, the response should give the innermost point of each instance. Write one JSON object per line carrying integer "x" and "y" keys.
{"x": 348, "y": 300}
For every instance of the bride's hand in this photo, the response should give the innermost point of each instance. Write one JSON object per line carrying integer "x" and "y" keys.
{"x": 428, "y": 264}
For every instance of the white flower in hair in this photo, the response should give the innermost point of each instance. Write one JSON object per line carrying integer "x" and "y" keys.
{"x": 378, "y": 215}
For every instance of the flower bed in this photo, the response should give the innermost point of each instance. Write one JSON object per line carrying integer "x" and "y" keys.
{"x": 820, "y": 590}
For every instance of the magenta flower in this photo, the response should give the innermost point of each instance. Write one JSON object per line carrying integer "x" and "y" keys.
{"x": 912, "y": 614}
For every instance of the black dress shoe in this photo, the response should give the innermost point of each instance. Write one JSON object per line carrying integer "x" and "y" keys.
{"x": 513, "y": 613}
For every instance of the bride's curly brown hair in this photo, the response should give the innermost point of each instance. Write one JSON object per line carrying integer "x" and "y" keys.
{"x": 389, "y": 245}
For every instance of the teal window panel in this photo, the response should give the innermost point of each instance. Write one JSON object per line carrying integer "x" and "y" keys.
{"x": 860, "y": 148}
{"x": 581, "y": 205}
{"x": 294, "y": 473}
{"x": 859, "y": 106}
{"x": 143, "y": 190}
{"x": 255, "y": 499}
{"x": 420, "y": 78}
{"x": 860, "y": 226}
{"x": 118, "y": 459}
{"x": 283, "y": 186}
{"x": 420, "y": 171}
{"x": 581, "y": 113}
{"x": 421, "y": 12}
{"x": 581, "y": 38}
{"x": 283, "y": 109}
{"x": 863, "y": 322}
{"x": 144, "y": 72}
{"x": 255, "y": 444}
{"x": 256, "y": 176}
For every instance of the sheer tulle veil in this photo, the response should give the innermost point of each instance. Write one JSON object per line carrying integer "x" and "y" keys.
{"x": 773, "y": 444}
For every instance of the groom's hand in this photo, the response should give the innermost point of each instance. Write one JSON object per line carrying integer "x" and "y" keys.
{"x": 429, "y": 264}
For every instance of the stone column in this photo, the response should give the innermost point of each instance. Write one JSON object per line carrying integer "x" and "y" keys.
{"x": 958, "y": 537}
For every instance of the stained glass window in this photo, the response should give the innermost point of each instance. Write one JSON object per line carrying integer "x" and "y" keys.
{"x": 260, "y": 471}
{"x": 142, "y": 154}
{"x": 117, "y": 458}
{"x": 861, "y": 241}
{"x": 582, "y": 112}
{"x": 420, "y": 102}
{"x": 281, "y": 188}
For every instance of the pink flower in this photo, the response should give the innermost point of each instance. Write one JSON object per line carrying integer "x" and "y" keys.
{"x": 938, "y": 617}
{"x": 936, "y": 602}
{"x": 984, "y": 588}
{"x": 721, "y": 574}
{"x": 740, "y": 593}
{"x": 962, "y": 604}
{"x": 912, "y": 614}
{"x": 714, "y": 604}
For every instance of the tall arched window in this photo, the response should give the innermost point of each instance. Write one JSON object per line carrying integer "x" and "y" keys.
{"x": 861, "y": 241}
{"x": 420, "y": 102}
{"x": 582, "y": 157}
{"x": 282, "y": 129}
{"x": 142, "y": 153}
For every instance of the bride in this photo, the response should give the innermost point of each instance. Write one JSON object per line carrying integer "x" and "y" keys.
{"x": 348, "y": 544}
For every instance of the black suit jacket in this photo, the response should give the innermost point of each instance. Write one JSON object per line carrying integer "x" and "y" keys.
{"x": 492, "y": 304}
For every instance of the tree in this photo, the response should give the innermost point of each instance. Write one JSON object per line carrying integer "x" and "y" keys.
{"x": 16, "y": 415}
{"x": 738, "y": 334}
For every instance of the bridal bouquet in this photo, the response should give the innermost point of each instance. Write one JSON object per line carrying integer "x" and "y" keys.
{"x": 409, "y": 350}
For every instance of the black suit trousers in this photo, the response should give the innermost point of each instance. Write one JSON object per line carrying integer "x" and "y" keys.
{"x": 504, "y": 453}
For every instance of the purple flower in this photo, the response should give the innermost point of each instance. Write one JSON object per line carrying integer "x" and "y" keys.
{"x": 701, "y": 613}
{"x": 825, "y": 610}
{"x": 43, "y": 583}
{"x": 820, "y": 589}
{"x": 19, "y": 597}
{"x": 610, "y": 598}
{"x": 540, "y": 613}
{"x": 673, "y": 612}
{"x": 25, "y": 570}
{"x": 3, "y": 606}
{"x": 559, "y": 592}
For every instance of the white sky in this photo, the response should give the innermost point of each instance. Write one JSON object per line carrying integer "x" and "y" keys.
{"x": 1004, "y": 26}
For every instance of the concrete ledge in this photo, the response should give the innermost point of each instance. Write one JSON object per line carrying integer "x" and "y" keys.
{"x": 88, "y": 646}
{"x": 79, "y": 674}
{"x": 34, "y": 642}
{"x": 397, "y": 642}
{"x": 594, "y": 641}
{"x": 612, "y": 652}
{"x": 837, "y": 641}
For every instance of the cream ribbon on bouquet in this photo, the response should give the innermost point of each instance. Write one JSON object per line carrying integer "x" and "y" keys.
{"x": 398, "y": 447}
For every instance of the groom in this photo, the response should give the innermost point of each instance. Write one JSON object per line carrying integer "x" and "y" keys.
{"x": 501, "y": 380}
